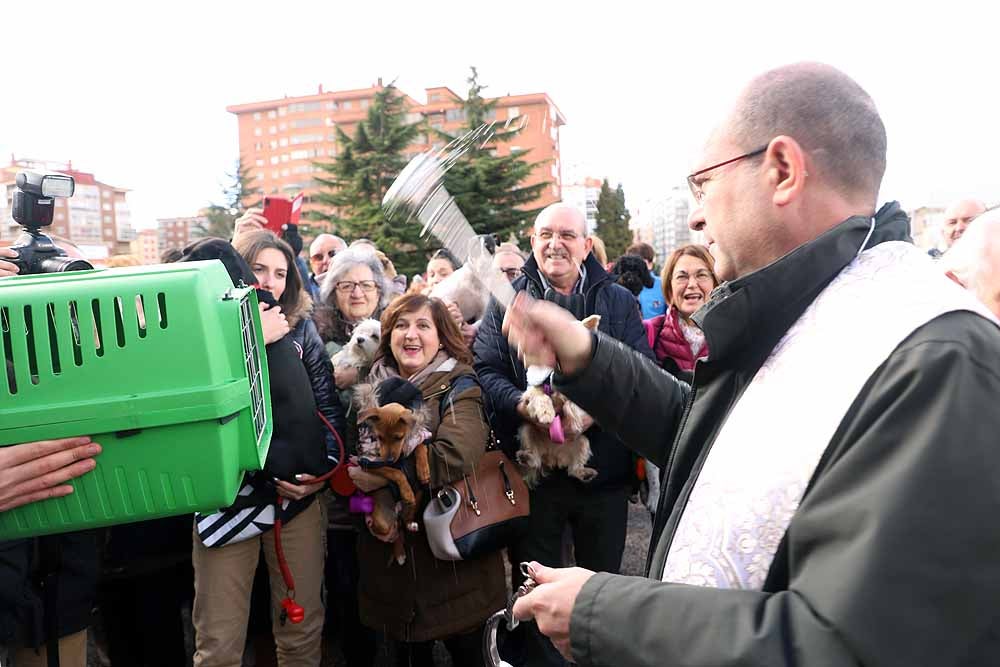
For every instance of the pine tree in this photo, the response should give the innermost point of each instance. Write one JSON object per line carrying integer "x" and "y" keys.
{"x": 353, "y": 184}
{"x": 238, "y": 195}
{"x": 612, "y": 220}
{"x": 488, "y": 187}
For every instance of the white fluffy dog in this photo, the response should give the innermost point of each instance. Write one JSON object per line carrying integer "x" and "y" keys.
{"x": 539, "y": 453}
{"x": 360, "y": 350}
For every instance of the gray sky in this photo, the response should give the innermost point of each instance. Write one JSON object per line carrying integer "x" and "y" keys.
{"x": 136, "y": 92}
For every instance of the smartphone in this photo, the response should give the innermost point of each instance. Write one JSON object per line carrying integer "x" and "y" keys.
{"x": 278, "y": 212}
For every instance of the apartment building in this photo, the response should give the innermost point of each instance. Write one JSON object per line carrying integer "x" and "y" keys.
{"x": 280, "y": 140}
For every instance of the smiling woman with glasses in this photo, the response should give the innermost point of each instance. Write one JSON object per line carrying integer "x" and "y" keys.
{"x": 687, "y": 281}
{"x": 354, "y": 289}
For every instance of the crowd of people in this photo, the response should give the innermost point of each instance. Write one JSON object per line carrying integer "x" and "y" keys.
{"x": 804, "y": 405}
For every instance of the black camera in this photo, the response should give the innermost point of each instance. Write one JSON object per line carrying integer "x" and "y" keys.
{"x": 32, "y": 208}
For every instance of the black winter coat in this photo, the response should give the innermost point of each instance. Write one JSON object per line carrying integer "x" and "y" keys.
{"x": 21, "y": 608}
{"x": 502, "y": 375}
{"x": 320, "y": 370}
{"x": 891, "y": 556}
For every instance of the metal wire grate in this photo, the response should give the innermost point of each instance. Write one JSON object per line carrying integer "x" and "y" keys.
{"x": 251, "y": 356}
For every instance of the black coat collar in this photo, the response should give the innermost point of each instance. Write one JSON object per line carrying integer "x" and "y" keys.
{"x": 759, "y": 307}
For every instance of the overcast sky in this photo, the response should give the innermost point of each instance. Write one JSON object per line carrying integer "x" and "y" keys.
{"x": 136, "y": 92}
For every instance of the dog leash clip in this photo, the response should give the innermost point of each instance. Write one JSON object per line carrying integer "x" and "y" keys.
{"x": 529, "y": 585}
{"x": 490, "y": 650}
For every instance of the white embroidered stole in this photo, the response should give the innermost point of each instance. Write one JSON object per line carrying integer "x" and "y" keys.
{"x": 757, "y": 470}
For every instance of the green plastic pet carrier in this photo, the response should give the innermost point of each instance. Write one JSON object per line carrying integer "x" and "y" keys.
{"x": 164, "y": 366}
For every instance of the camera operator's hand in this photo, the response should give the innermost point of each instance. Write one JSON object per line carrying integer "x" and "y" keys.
{"x": 7, "y": 268}
{"x": 250, "y": 221}
{"x": 38, "y": 470}
{"x": 273, "y": 323}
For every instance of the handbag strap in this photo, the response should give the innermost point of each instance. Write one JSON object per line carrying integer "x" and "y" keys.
{"x": 458, "y": 385}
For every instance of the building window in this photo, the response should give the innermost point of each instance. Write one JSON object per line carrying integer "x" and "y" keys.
{"x": 106, "y": 206}
{"x": 257, "y": 132}
{"x": 259, "y": 146}
{"x": 260, "y": 177}
{"x": 283, "y": 142}
{"x": 364, "y": 104}
{"x": 272, "y": 130}
{"x": 346, "y": 105}
{"x": 256, "y": 115}
{"x": 271, "y": 114}
{"x": 282, "y": 127}
{"x": 284, "y": 172}
{"x": 452, "y": 115}
{"x": 282, "y": 111}
{"x": 332, "y": 106}
{"x": 513, "y": 112}
{"x": 274, "y": 159}
{"x": 259, "y": 162}
{"x": 284, "y": 157}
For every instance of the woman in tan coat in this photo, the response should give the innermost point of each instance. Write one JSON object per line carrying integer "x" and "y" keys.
{"x": 427, "y": 599}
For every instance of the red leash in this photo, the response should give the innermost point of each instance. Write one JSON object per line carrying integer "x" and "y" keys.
{"x": 290, "y": 609}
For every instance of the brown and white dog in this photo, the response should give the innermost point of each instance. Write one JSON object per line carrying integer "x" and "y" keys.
{"x": 541, "y": 449}
{"x": 397, "y": 433}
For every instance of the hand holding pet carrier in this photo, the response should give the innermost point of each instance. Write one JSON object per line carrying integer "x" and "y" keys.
{"x": 164, "y": 366}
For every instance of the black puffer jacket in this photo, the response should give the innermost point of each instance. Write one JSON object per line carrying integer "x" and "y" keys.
{"x": 502, "y": 374}
{"x": 320, "y": 370}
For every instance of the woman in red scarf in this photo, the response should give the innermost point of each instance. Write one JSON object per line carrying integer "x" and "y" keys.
{"x": 676, "y": 340}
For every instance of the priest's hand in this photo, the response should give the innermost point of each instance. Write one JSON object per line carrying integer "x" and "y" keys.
{"x": 547, "y": 335}
{"x": 551, "y": 603}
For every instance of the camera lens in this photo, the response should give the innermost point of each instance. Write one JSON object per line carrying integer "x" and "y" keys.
{"x": 62, "y": 264}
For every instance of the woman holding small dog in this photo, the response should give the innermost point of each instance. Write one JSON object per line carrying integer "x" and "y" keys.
{"x": 354, "y": 289}
{"x": 426, "y": 599}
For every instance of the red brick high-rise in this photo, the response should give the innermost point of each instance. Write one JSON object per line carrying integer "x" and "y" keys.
{"x": 281, "y": 139}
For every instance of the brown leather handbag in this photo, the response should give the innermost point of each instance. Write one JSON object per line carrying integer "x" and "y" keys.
{"x": 482, "y": 513}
